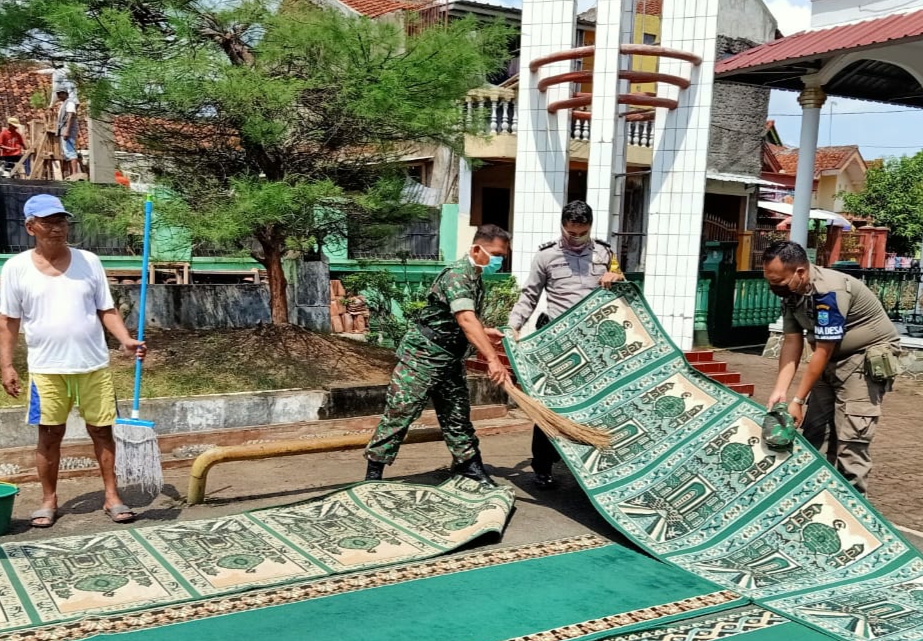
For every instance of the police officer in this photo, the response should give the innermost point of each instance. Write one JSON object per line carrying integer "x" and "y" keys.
{"x": 431, "y": 361}
{"x": 854, "y": 360}
{"x": 567, "y": 270}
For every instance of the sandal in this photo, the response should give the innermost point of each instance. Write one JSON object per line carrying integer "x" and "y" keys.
{"x": 49, "y": 514}
{"x": 120, "y": 513}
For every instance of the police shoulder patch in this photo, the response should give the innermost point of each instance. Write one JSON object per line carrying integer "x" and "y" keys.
{"x": 548, "y": 245}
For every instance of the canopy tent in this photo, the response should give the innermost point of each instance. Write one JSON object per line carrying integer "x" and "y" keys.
{"x": 829, "y": 217}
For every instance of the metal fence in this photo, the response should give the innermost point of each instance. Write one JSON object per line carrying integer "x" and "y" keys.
{"x": 13, "y": 235}
{"x": 418, "y": 240}
{"x": 898, "y": 290}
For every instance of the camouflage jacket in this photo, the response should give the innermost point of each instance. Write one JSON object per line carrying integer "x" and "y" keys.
{"x": 457, "y": 288}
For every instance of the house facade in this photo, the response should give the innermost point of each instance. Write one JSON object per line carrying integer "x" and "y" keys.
{"x": 738, "y": 116}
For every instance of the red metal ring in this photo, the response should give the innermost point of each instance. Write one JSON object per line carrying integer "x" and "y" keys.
{"x": 570, "y": 76}
{"x": 636, "y": 116}
{"x": 573, "y": 54}
{"x": 627, "y": 49}
{"x": 662, "y": 52}
{"x": 640, "y": 116}
{"x": 642, "y": 100}
{"x": 569, "y": 103}
{"x": 653, "y": 76}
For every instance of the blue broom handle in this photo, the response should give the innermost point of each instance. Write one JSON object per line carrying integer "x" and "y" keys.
{"x": 142, "y": 308}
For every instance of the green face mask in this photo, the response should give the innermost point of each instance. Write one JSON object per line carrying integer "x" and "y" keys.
{"x": 496, "y": 262}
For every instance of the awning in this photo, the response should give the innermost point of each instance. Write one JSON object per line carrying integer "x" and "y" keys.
{"x": 782, "y": 63}
{"x": 741, "y": 178}
{"x": 785, "y": 209}
{"x": 420, "y": 194}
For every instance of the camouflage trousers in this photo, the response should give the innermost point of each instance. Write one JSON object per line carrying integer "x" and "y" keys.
{"x": 843, "y": 411}
{"x": 425, "y": 372}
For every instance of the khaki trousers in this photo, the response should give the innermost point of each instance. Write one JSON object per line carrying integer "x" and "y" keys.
{"x": 842, "y": 415}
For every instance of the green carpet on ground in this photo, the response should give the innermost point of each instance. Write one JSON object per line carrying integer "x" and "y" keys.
{"x": 689, "y": 478}
{"x": 368, "y": 525}
{"x": 583, "y": 594}
{"x": 746, "y": 623}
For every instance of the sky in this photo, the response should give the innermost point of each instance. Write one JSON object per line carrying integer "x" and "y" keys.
{"x": 879, "y": 130}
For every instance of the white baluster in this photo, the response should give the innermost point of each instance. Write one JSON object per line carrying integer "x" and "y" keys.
{"x": 494, "y": 107}
{"x": 505, "y": 107}
{"x": 514, "y": 107}
{"x": 468, "y": 108}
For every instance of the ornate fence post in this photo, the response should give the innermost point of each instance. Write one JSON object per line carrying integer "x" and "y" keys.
{"x": 720, "y": 259}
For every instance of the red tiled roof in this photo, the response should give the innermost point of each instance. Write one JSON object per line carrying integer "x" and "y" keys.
{"x": 811, "y": 44}
{"x": 828, "y": 158}
{"x": 375, "y": 8}
{"x": 19, "y": 82}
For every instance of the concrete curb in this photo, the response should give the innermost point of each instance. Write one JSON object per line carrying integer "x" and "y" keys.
{"x": 191, "y": 414}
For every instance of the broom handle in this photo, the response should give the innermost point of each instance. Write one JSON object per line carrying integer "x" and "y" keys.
{"x": 142, "y": 307}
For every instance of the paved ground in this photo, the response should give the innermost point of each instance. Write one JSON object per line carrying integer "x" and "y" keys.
{"x": 896, "y": 487}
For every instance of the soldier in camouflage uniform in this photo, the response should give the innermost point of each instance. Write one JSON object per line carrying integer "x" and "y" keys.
{"x": 567, "y": 270}
{"x": 431, "y": 361}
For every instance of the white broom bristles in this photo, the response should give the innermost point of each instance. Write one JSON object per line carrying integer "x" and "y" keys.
{"x": 137, "y": 458}
{"x": 555, "y": 425}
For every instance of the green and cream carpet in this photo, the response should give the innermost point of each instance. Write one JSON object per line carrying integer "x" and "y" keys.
{"x": 689, "y": 479}
{"x": 745, "y": 543}
{"x": 369, "y": 525}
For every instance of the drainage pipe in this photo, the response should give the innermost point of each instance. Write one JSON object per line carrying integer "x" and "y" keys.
{"x": 198, "y": 476}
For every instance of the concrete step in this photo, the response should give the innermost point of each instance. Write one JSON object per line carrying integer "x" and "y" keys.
{"x": 746, "y": 389}
{"x": 725, "y": 378}
{"x": 710, "y": 367}
{"x": 179, "y": 450}
{"x": 699, "y": 356}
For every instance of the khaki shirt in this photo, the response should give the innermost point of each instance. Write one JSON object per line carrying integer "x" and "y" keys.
{"x": 566, "y": 276}
{"x": 842, "y": 309}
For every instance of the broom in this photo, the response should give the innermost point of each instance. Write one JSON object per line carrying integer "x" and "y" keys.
{"x": 554, "y": 425}
{"x": 137, "y": 452}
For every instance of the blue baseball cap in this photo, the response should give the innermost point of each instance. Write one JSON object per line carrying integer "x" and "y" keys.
{"x": 44, "y": 205}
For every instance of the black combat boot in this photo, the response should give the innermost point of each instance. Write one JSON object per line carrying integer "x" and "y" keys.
{"x": 374, "y": 471}
{"x": 473, "y": 469}
{"x": 543, "y": 478}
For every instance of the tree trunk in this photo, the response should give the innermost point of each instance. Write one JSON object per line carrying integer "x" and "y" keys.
{"x": 278, "y": 285}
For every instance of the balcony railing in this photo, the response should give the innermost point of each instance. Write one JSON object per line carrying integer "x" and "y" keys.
{"x": 494, "y": 111}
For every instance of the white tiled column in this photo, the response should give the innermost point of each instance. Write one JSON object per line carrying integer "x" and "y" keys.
{"x": 678, "y": 172}
{"x": 614, "y": 23}
{"x": 542, "y": 139}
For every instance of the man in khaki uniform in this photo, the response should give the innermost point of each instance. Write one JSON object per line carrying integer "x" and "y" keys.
{"x": 855, "y": 348}
{"x": 567, "y": 270}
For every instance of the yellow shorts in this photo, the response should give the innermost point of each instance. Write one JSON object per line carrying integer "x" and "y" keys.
{"x": 52, "y": 396}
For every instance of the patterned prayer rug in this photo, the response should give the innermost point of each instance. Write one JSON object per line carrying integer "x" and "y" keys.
{"x": 535, "y": 592}
{"x": 368, "y": 525}
{"x": 689, "y": 478}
